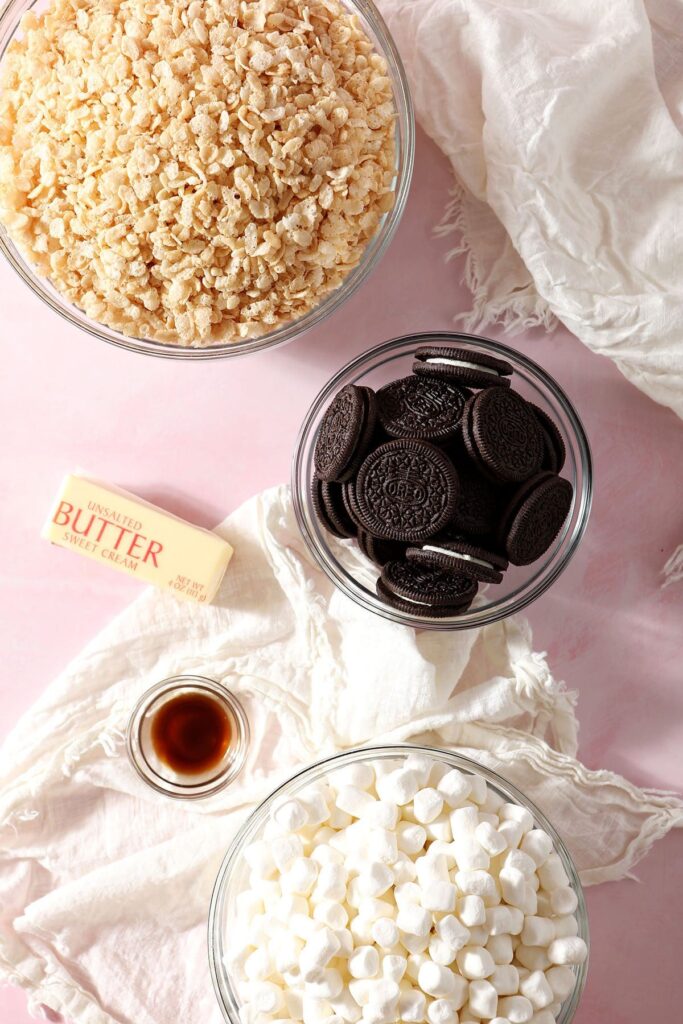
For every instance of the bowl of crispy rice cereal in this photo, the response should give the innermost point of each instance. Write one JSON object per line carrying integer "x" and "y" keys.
{"x": 199, "y": 178}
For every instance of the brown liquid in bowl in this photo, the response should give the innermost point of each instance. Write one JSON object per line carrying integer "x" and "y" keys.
{"x": 191, "y": 733}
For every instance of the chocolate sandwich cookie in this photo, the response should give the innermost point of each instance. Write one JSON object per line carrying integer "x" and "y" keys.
{"x": 329, "y": 508}
{"x": 422, "y": 590}
{"x": 348, "y": 495}
{"x": 502, "y": 435}
{"x": 416, "y": 407}
{"x": 462, "y": 366}
{"x": 406, "y": 490}
{"x": 345, "y": 433}
{"x": 534, "y": 517}
{"x": 459, "y": 556}
{"x": 554, "y": 451}
{"x": 380, "y": 551}
{"x": 478, "y": 509}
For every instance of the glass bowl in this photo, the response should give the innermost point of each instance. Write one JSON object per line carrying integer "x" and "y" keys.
{"x": 234, "y": 870}
{"x": 11, "y": 13}
{"x": 355, "y": 575}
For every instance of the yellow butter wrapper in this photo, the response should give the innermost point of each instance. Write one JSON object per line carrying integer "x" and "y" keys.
{"x": 126, "y": 533}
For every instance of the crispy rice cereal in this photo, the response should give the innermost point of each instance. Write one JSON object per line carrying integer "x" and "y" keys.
{"x": 194, "y": 170}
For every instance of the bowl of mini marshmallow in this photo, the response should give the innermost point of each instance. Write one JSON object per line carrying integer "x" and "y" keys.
{"x": 398, "y": 883}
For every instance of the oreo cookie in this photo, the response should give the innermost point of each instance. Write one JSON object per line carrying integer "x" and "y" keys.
{"x": 345, "y": 433}
{"x": 329, "y": 508}
{"x": 554, "y": 451}
{"x": 535, "y": 515}
{"x": 459, "y": 556}
{"x": 462, "y": 366}
{"x": 502, "y": 435}
{"x": 421, "y": 590}
{"x": 406, "y": 490}
{"x": 478, "y": 508}
{"x": 348, "y": 495}
{"x": 425, "y": 409}
{"x": 380, "y": 551}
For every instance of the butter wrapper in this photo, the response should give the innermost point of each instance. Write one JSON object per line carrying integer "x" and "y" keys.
{"x": 126, "y": 533}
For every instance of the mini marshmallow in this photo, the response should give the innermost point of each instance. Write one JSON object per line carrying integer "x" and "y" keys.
{"x": 464, "y": 820}
{"x": 534, "y": 958}
{"x": 564, "y": 900}
{"x": 294, "y": 1001}
{"x": 331, "y": 913}
{"x": 422, "y": 765}
{"x": 346, "y": 1007}
{"x": 561, "y": 980}
{"x": 494, "y": 801}
{"x": 552, "y": 874}
{"x": 545, "y": 1017}
{"x": 394, "y": 967}
{"x": 469, "y": 853}
{"x": 505, "y": 980}
{"x": 412, "y": 1006}
{"x": 511, "y": 832}
{"x": 530, "y": 903}
{"x": 265, "y": 997}
{"x": 537, "y": 990}
{"x": 381, "y": 814}
{"x": 414, "y": 920}
{"x": 415, "y": 961}
{"x": 513, "y": 812}
{"x": 415, "y": 943}
{"x": 483, "y": 999}
{"x": 538, "y": 845}
{"x": 471, "y": 911}
{"x": 566, "y": 926}
{"x": 407, "y": 893}
{"x": 478, "y": 883}
{"x": 454, "y": 787}
{"x": 315, "y": 1010}
{"x": 490, "y": 819}
{"x": 331, "y": 882}
{"x": 372, "y": 908}
{"x": 361, "y": 930}
{"x": 259, "y": 857}
{"x": 291, "y": 815}
{"x": 435, "y": 980}
{"x": 259, "y": 929}
{"x": 441, "y": 952}
{"x": 248, "y": 904}
{"x": 500, "y": 948}
{"x": 346, "y": 940}
{"x": 385, "y": 932}
{"x": 431, "y": 869}
{"x": 286, "y": 906}
{"x": 410, "y": 837}
{"x": 439, "y": 897}
{"x": 427, "y": 805}
{"x": 517, "y": 1009}
{"x": 543, "y": 903}
{"x": 398, "y": 787}
{"x": 286, "y": 953}
{"x": 339, "y": 819}
{"x": 569, "y": 950}
{"x": 501, "y": 920}
{"x": 439, "y": 848}
{"x": 258, "y": 965}
{"x": 315, "y": 803}
{"x": 475, "y": 963}
{"x": 538, "y": 931}
{"x": 513, "y": 886}
{"x": 376, "y": 879}
{"x": 360, "y": 990}
{"x": 285, "y": 849}
{"x": 354, "y": 801}
{"x": 522, "y": 861}
{"x": 267, "y": 888}
{"x": 490, "y": 839}
{"x": 442, "y": 1011}
{"x": 452, "y": 932}
{"x": 300, "y": 876}
{"x": 478, "y": 936}
{"x": 327, "y": 984}
{"x": 382, "y": 845}
{"x": 403, "y": 869}
{"x": 364, "y": 962}
{"x": 383, "y": 993}
{"x": 440, "y": 829}
{"x": 320, "y": 948}
{"x": 362, "y": 776}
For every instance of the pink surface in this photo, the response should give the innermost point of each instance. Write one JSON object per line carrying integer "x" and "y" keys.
{"x": 200, "y": 438}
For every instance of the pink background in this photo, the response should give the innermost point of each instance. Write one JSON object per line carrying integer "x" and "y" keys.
{"x": 200, "y": 438}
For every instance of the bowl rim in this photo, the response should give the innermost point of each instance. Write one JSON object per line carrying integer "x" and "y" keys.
{"x": 373, "y": 252}
{"x": 533, "y": 587}
{"x": 320, "y": 768}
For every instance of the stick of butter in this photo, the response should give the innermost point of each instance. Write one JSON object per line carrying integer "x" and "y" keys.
{"x": 112, "y": 526}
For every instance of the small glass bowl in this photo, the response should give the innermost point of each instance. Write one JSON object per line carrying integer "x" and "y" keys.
{"x": 234, "y": 871}
{"x": 157, "y": 773}
{"x": 355, "y": 575}
{"x": 373, "y": 24}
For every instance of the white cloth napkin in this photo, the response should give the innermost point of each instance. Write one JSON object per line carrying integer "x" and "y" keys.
{"x": 562, "y": 121}
{"x": 105, "y": 885}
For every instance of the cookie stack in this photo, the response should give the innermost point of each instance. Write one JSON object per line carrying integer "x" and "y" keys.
{"x": 443, "y": 477}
